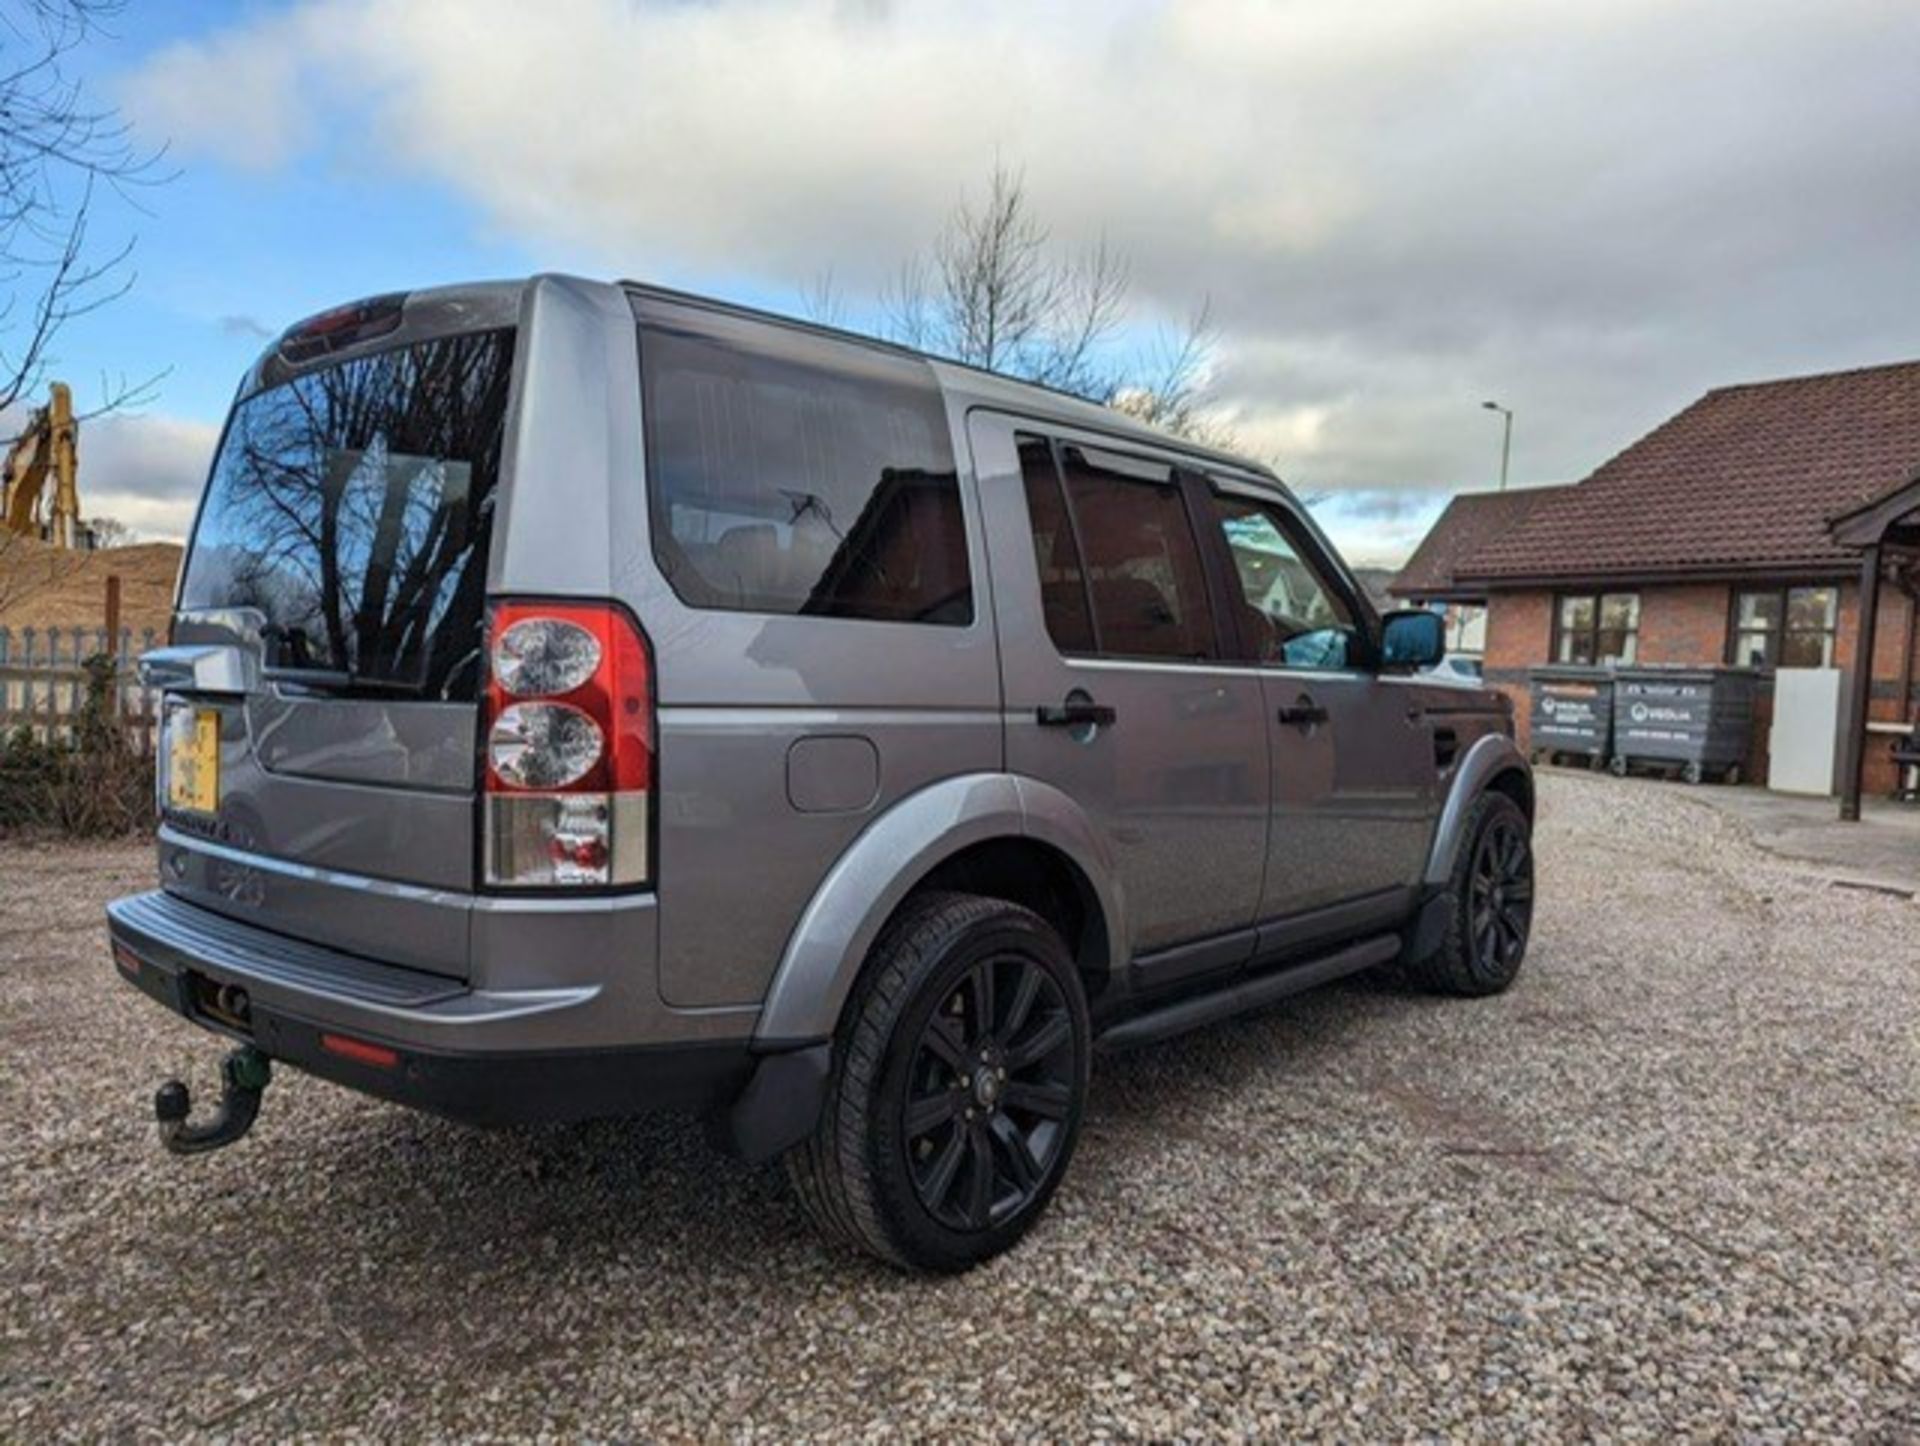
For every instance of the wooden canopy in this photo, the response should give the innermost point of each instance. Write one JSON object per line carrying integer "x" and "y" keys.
{"x": 1881, "y": 531}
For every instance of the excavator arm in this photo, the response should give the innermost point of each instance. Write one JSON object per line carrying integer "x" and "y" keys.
{"x": 49, "y": 447}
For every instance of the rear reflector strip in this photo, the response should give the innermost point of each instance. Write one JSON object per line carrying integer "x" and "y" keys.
{"x": 128, "y": 961}
{"x": 361, "y": 1051}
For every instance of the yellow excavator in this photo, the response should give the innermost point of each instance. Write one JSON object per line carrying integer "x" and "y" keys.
{"x": 48, "y": 448}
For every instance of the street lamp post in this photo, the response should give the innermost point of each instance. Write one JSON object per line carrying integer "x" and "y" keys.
{"x": 1506, "y": 438}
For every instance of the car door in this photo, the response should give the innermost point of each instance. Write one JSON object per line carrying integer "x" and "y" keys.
{"x": 1117, "y": 687}
{"x": 1352, "y": 752}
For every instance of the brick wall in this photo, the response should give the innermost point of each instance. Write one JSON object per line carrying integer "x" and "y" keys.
{"x": 1688, "y": 624}
{"x": 1684, "y": 624}
{"x": 1890, "y": 638}
{"x": 1519, "y": 634}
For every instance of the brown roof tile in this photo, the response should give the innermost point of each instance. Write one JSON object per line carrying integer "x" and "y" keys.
{"x": 1471, "y": 520}
{"x": 1745, "y": 479}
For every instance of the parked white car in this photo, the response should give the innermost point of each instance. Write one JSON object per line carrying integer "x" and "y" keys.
{"x": 1464, "y": 671}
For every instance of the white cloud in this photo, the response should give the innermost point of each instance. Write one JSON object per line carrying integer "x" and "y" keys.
{"x": 1398, "y": 208}
{"x": 145, "y": 471}
{"x": 238, "y": 95}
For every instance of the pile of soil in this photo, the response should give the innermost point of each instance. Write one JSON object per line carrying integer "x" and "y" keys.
{"x": 49, "y": 587}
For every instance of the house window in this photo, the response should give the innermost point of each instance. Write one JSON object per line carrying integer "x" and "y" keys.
{"x": 1596, "y": 628}
{"x": 1784, "y": 627}
{"x": 1466, "y": 629}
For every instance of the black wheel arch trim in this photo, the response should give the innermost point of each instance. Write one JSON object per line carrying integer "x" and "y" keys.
{"x": 1486, "y": 764}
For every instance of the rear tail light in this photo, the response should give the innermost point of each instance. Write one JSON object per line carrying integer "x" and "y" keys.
{"x": 568, "y": 791}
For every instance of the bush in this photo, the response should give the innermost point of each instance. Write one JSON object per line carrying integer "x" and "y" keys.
{"x": 89, "y": 785}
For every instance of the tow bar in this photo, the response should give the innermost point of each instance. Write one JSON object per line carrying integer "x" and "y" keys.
{"x": 243, "y": 1079}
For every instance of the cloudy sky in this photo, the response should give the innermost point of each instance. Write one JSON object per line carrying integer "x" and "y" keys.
{"x": 1590, "y": 211}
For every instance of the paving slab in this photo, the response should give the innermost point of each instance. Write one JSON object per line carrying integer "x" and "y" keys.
{"x": 1882, "y": 849}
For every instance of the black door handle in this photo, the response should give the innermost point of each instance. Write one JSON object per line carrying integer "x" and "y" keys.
{"x": 1303, "y": 714}
{"x": 1075, "y": 714}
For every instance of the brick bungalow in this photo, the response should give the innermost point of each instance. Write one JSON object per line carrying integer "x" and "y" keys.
{"x": 1745, "y": 529}
{"x": 1471, "y": 521}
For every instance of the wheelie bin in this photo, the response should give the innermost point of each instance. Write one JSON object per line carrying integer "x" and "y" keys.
{"x": 1690, "y": 721}
{"x": 1570, "y": 712}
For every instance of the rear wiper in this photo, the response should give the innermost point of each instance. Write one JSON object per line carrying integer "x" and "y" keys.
{"x": 301, "y": 672}
{"x": 336, "y": 680}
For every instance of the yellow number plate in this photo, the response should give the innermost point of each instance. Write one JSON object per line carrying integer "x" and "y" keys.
{"x": 193, "y": 760}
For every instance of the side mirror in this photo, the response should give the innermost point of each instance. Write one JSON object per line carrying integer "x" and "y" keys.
{"x": 1412, "y": 639}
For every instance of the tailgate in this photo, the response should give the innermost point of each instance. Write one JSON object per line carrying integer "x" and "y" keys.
{"x": 320, "y": 714}
{"x": 342, "y": 822}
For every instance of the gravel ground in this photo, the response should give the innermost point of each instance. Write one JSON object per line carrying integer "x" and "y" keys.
{"x": 1668, "y": 1184}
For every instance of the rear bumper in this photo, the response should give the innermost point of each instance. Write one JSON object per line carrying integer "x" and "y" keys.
{"x": 437, "y": 1044}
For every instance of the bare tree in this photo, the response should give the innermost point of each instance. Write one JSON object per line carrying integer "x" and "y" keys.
{"x": 993, "y": 291}
{"x": 58, "y": 151}
{"x": 1000, "y": 297}
{"x": 1170, "y": 389}
{"x": 996, "y": 285}
{"x": 1090, "y": 307}
{"x": 821, "y": 301}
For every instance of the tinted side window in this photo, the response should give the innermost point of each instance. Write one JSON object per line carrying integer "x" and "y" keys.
{"x": 1295, "y": 617}
{"x": 1141, "y": 560}
{"x": 1063, "y": 586}
{"x": 794, "y": 474}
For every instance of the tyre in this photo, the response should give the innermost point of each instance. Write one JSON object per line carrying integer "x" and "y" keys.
{"x": 1692, "y": 772}
{"x": 959, "y": 1077}
{"x": 1618, "y": 766}
{"x": 1492, "y": 916}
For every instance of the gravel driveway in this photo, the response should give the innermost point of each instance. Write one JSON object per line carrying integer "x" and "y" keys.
{"x": 1671, "y": 1182}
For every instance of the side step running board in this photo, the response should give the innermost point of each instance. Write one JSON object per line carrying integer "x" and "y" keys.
{"x": 1248, "y": 994}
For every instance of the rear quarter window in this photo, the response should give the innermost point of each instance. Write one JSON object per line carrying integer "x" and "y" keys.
{"x": 794, "y": 474}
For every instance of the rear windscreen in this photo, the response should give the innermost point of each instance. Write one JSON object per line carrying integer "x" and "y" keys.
{"x": 350, "y": 508}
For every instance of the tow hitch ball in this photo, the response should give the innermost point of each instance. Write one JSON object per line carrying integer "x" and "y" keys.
{"x": 243, "y": 1079}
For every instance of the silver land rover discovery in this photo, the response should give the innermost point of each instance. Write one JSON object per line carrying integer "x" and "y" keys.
{"x": 584, "y": 698}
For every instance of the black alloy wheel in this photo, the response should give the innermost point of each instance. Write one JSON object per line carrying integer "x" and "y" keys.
{"x": 961, "y": 1066}
{"x": 1500, "y": 896}
{"x": 989, "y": 1089}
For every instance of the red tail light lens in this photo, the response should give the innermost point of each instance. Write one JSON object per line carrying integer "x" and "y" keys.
{"x": 343, "y": 326}
{"x": 569, "y": 747}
